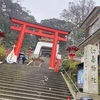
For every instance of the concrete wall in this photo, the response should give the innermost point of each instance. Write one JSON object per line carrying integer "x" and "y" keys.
{"x": 95, "y": 97}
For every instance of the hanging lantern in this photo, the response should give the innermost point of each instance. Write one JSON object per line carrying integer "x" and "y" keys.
{"x": 72, "y": 51}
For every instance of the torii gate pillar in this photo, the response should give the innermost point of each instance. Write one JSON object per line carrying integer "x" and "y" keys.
{"x": 20, "y": 40}
{"x": 53, "y": 54}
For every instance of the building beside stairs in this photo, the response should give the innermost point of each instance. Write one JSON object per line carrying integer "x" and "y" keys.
{"x": 91, "y": 25}
{"x": 91, "y": 47}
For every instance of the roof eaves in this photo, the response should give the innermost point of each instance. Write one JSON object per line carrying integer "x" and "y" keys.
{"x": 89, "y": 15}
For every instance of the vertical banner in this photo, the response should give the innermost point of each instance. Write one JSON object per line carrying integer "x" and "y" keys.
{"x": 11, "y": 57}
{"x": 90, "y": 69}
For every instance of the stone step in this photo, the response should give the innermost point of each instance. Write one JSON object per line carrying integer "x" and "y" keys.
{"x": 21, "y": 82}
{"x": 29, "y": 96}
{"x": 37, "y": 80}
{"x": 50, "y": 90}
{"x": 30, "y": 74}
{"x": 36, "y": 87}
{"x": 31, "y": 92}
{"x": 55, "y": 79}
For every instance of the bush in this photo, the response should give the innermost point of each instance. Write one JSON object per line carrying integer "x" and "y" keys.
{"x": 71, "y": 68}
{"x": 2, "y": 53}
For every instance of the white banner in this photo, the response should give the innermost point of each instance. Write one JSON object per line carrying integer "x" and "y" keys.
{"x": 11, "y": 58}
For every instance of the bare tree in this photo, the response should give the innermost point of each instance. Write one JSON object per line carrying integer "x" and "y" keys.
{"x": 17, "y": 1}
{"x": 75, "y": 14}
{"x": 77, "y": 11}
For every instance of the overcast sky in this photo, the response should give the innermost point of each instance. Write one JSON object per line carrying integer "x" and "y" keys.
{"x": 46, "y": 9}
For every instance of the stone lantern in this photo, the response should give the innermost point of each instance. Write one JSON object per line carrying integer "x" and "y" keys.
{"x": 29, "y": 51}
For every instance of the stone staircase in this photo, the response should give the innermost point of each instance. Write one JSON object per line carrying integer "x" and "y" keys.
{"x": 22, "y": 82}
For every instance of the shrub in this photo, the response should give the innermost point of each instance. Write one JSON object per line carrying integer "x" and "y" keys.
{"x": 2, "y": 53}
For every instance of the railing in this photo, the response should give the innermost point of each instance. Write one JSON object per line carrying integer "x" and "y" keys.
{"x": 71, "y": 80}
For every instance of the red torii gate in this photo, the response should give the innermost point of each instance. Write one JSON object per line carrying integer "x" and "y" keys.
{"x": 23, "y": 27}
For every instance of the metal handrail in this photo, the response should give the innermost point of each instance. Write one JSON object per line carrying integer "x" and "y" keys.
{"x": 71, "y": 80}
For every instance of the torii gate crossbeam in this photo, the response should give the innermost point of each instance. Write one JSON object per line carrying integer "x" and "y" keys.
{"x": 23, "y": 28}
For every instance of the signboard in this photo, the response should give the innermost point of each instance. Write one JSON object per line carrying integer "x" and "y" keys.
{"x": 80, "y": 78}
